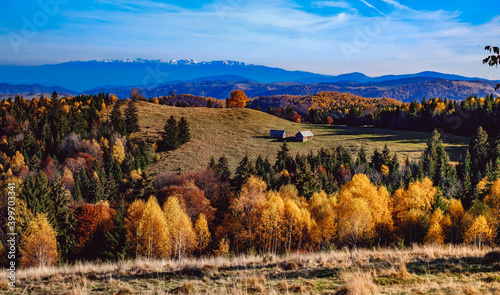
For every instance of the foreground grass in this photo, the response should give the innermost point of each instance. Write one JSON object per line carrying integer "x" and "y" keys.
{"x": 418, "y": 270}
{"x": 234, "y": 132}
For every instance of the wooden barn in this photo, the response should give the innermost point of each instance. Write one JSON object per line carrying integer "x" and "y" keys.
{"x": 281, "y": 134}
{"x": 304, "y": 136}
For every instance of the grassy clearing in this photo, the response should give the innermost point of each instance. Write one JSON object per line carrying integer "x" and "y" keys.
{"x": 234, "y": 132}
{"x": 417, "y": 270}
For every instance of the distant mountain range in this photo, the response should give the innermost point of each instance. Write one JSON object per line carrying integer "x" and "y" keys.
{"x": 218, "y": 78}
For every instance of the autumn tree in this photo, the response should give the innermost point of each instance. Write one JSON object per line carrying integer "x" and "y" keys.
{"x": 439, "y": 223}
{"x": 182, "y": 235}
{"x": 292, "y": 224}
{"x": 38, "y": 246}
{"x": 456, "y": 212}
{"x": 237, "y": 99}
{"x": 479, "y": 232}
{"x": 412, "y": 207}
{"x": 378, "y": 202}
{"x": 191, "y": 198}
{"x": 202, "y": 233}
{"x": 323, "y": 213}
{"x": 479, "y": 224}
{"x": 252, "y": 195}
{"x": 269, "y": 229}
{"x": 92, "y": 222}
{"x": 132, "y": 221}
{"x": 135, "y": 94}
{"x": 355, "y": 222}
{"x": 118, "y": 152}
{"x": 153, "y": 231}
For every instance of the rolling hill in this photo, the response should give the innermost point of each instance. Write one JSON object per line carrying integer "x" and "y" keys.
{"x": 234, "y": 132}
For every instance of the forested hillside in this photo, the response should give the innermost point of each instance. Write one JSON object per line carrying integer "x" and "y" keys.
{"x": 79, "y": 167}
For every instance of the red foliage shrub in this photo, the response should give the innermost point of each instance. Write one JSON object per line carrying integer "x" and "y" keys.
{"x": 89, "y": 219}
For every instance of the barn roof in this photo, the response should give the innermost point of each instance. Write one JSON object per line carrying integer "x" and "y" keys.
{"x": 306, "y": 133}
{"x": 278, "y": 132}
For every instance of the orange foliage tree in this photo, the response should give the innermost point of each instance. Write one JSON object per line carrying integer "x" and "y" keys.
{"x": 91, "y": 220}
{"x": 238, "y": 99}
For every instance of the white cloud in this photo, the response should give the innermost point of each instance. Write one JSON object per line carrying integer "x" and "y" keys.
{"x": 337, "y": 4}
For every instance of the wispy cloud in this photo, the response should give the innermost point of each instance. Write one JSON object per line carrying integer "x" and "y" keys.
{"x": 337, "y": 4}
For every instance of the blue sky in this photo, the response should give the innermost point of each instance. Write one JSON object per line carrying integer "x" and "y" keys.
{"x": 375, "y": 37}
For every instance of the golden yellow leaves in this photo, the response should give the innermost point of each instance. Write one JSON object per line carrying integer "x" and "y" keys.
{"x": 39, "y": 244}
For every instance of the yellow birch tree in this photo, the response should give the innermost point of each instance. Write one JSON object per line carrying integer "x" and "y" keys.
{"x": 38, "y": 246}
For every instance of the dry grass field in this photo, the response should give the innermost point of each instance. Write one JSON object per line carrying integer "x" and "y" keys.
{"x": 234, "y": 132}
{"x": 417, "y": 270}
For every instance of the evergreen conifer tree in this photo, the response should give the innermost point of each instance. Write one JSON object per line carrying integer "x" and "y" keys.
{"x": 171, "y": 134}
{"x": 243, "y": 172}
{"x": 184, "y": 134}
{"x": 132, "y": 118}
{"x": 117, "y": 119}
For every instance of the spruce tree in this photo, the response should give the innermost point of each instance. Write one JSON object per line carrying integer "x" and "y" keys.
{"x": 184, "y": 134}
{"x": 62, "y": 218}
{"x": 143, "y": 188}
{"x": 467, "y": 192}
{"x": 243, "y": 172}
{"x": 361, "y": 159}
{"x": 84, "y": 183}
{"x": 283, "y": 159}
{"x": 223, "y": 169}
{"x": 211, "y": 164}
{"x": 479, "y": 153}
{"x": 377, "y": 160}
{"x": 117, "y": 120}
{"x": 263, "y": 169}
{"x": 171, "y": 134}
{"x": 132, "y": 118}
{"x": 36, "y": 193}
{"x": 97, "y": 191}
{"x": 77, "y": 191}
{"x": 110, "y": 188}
